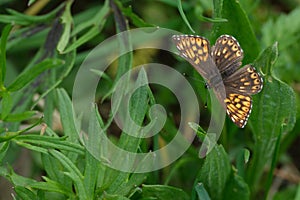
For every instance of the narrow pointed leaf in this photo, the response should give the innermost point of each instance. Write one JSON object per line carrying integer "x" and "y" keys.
{"x": 30, "y": 74}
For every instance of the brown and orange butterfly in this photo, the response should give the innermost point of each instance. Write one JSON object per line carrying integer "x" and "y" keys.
{"x": 226, "y": 55}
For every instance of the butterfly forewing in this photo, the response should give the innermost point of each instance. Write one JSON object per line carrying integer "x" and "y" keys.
{"x": 193, "y": 48}
{"x": 196, "y": 50}
{"x": 227, "y": 54}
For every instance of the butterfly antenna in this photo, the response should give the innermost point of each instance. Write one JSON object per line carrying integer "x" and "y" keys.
{"x": 193, "y": 78}
{"x": 199, "y": 80}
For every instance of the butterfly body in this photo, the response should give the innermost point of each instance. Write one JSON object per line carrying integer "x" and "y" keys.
{"x": 220, "y": 65}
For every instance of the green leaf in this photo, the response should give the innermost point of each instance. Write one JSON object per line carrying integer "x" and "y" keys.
{"x": 96, "y": 146}
{"x": 28, "y": 75}
{"x": 6, "y": 104}
{"x": 201, "y": 192}
{"x": 32, "y": 147}
{"x": 236, "y": 188}
{"x": 73, "y": 172}
{"x": 53, "y": 168}
{"x": 218, "y": 6}
{"x": 91, "y": 20}
{"x": 180, "y": 9}
{"x": 238, "y": 25}
{"x": 5, "y": 33}
{"x": 3, "y": 149}
{"x": 246, "y": 155}
{"x": 210, "y": 139}
{"x": 67, "y": 22}
{"x": 125, "y": 46}
{"x": 90, "y": 34}
{"x": 91, "y": 172}
{"x": 212, "y": 20}
{"x": 30, "y": 2}
{"x": 199, "y": 130}
{"x": 97, "y": 23}
{"x": 134, "y": 180}
{"x": 24, "y": 193}
{"x": 52, "y": 186}
{"x": 26, "y": 38}
{"x": 10, "y": 135}
{"x": 114, "y": 197}
{"x": 23, "y": 19}
{"x": 162, "y": 192}
{"x": 135, "y": 19}
{"x": 269, "y": 182}
{"x": 18, "y": 117}
{"x": 49, "y": 108}
{"x": 274, "y": 113}
{"x": 242, "y": 159}
{"x": 68, "y": 65}
{"x": 18, "y": 180}
{"x": 51, "y": 142}
{"x": 7, "y": 19}
{"x": 215, "y": 172}
{"x": 138, "y": 107}
{"x": 96, "y": 142}
{"x": 67, "y": 115}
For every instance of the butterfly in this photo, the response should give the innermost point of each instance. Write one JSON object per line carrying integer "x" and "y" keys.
{"x": 225, "y": 59}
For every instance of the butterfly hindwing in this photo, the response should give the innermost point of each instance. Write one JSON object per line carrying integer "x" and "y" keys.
{"x": 246, "y": 80}
{"x": 238, "y": 108}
